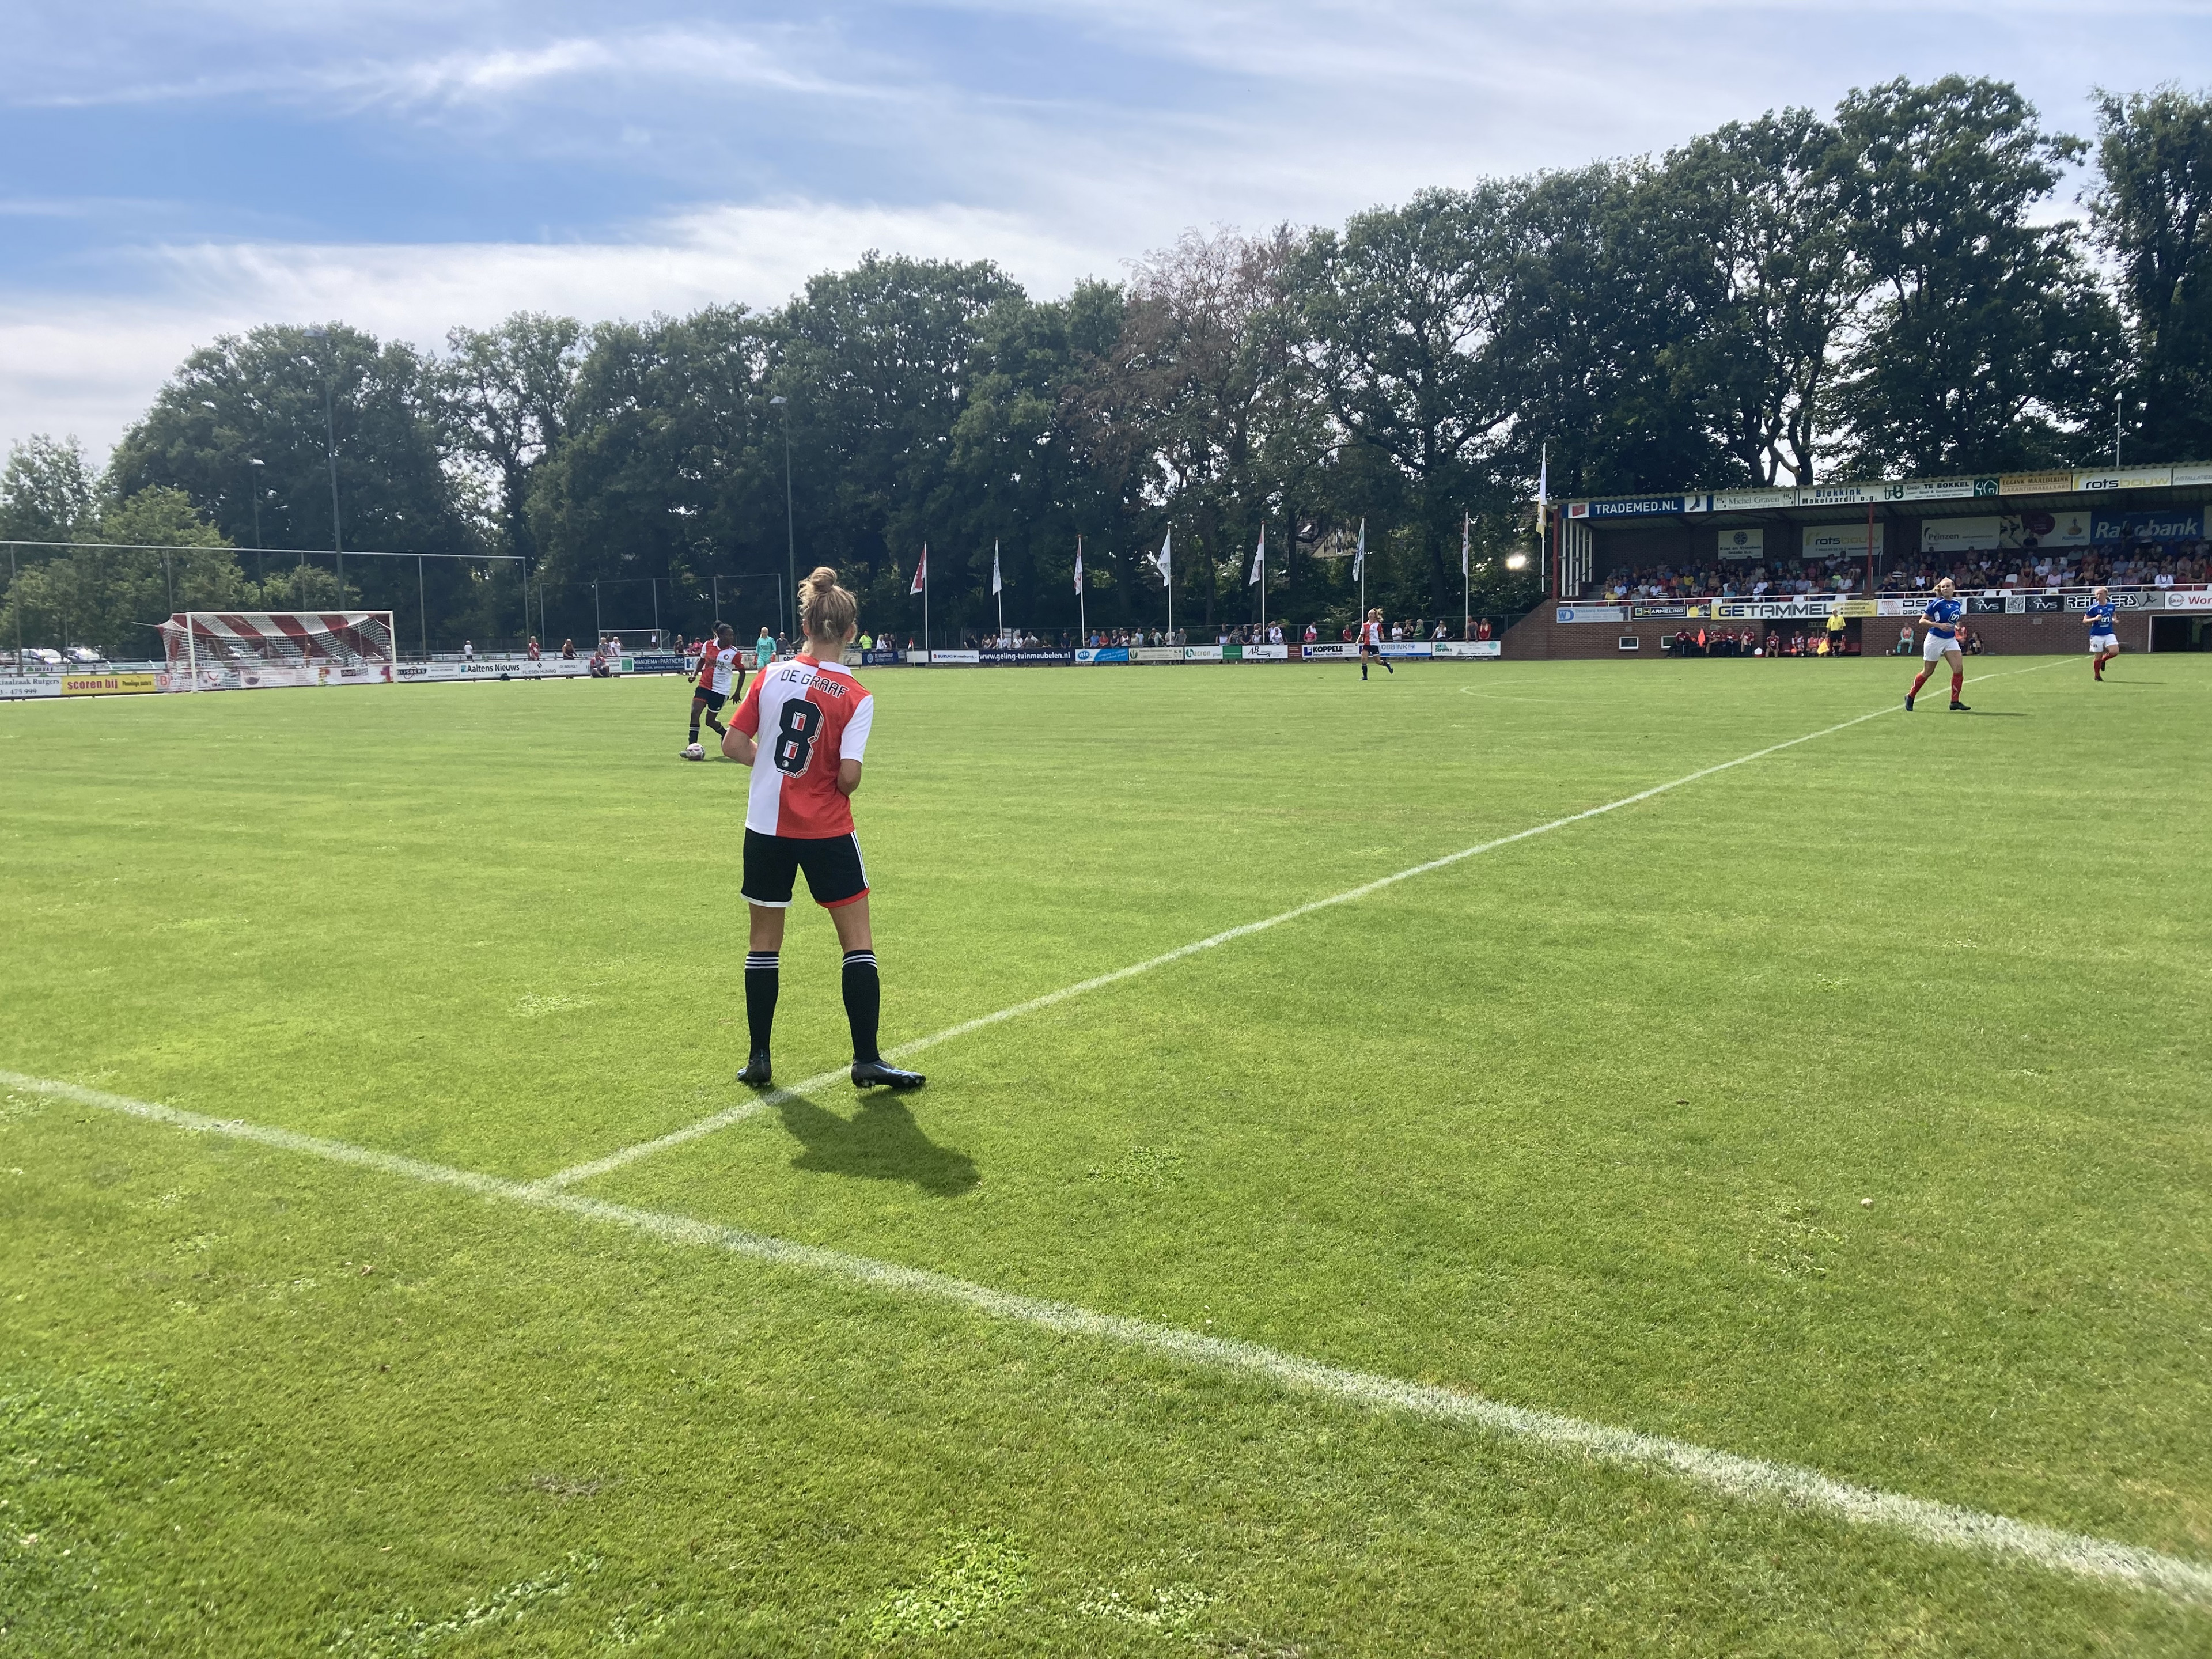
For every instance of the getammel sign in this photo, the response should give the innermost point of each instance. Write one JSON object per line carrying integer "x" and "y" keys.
{"x": 107, "y": 685}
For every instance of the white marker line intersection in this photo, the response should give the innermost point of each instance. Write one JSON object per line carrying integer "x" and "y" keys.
{"x": 1949, "y": 1526}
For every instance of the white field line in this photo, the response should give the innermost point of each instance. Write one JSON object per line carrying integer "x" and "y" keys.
{"x": 750, "y": 1108}
{"x": 2078, "y": 1555}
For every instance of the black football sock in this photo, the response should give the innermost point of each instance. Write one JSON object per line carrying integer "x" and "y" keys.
{"x": 695, "y": 728}
{"x": 760, "y": 975}
{"x": 864, "y": 1003}
{"x": 716, "y": 726}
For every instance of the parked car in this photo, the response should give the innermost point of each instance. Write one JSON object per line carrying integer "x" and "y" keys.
{"x": 40, "y": 656}
{"x": 84, "y": 654}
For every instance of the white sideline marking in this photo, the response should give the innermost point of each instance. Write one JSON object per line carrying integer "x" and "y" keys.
{"x": 2079, "y": 1555}
{"x": 751, "y": 1109}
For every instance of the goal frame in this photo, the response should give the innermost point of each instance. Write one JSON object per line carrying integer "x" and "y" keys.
{"x": 310, "y": 624}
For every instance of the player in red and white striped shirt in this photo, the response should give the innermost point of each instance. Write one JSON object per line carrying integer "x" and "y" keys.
{"x": 721, "y": 676}
{"x": 804, "y": 730}
{"x": 1370, "y": 643}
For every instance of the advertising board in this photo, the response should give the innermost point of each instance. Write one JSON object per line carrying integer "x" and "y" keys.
{"x": 1747, "y": 544}
{"x": 2194, "y": 599}
{"x": 882, "y": 658}
{"x": 107, "y": 685}
{"x": 1203, "y": 652}
{"x": 1028, "y": 658}
{"x": 1586, "y": 613}
{"x": 2124, "y": 478}
{"x": 1773, "y": 610}
{"x": 2168, "y": 524}
{"x": 956, "y": 659}
{"x": 1470, "y": 647}
{"x": 1329, "y": 650}
{"x": 1402, "y": 649}
{"x": 2006, "y": 532}
{"x": 2035, "y": 484}
{"x": 1156, "y": 653}
{"x": 1640, "y": 506}
{"x": 1267, "y": 653}
{"x": 30, "y": 685}
{"x": 1841, "y": 541}
{"x": 1102, "y": 653}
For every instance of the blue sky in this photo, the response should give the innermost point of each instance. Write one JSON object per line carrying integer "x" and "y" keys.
{"x": 175, "y": 171}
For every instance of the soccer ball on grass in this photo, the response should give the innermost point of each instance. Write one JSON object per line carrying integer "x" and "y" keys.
{"x": 693, "y": 752}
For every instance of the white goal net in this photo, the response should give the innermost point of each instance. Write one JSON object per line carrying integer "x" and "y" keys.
{"x": 232, "y": 650}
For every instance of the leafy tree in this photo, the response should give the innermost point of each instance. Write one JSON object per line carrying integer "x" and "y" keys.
{"x": 1758, "y": 204}
{"x": 1603, "y": 285}
{"x": 1404, "y": 306}
{"x": 505, "y": 392}
{"x": 48, "y": 491}
{"x": 262, "y": 397}
{"x": 1987, "y": 342}
{"x": 112, "y": 597}
{"x": 670, "y": 471}
{"x": 879, "y": 363}
{"x": 2151, "y": 211}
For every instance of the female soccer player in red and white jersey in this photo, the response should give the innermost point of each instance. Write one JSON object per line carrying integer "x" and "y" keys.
{"x": 1370, "y": 643}
{"x": 721, "y": 676}
{"x": 798, "y": 816}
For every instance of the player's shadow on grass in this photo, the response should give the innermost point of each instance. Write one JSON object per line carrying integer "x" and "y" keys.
{"x": 1998, "y": 713}
{"x": 879, "y": 1142}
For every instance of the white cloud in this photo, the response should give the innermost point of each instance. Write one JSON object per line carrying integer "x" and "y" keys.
{"x": 90, "y": 367}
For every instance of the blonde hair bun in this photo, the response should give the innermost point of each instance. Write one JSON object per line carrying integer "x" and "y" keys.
{"x": 826, "y": 611}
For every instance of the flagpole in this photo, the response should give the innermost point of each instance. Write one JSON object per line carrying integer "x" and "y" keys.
{"x": 1082, "y": 620}
{"x": 925, "y": 604}
{"x": 1466, "y": 576}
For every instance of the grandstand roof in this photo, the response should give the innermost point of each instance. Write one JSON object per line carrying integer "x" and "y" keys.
{"x": 2188, "y": 481}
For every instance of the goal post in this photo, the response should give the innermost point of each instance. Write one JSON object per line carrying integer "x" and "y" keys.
{"x": 233, "y": 650}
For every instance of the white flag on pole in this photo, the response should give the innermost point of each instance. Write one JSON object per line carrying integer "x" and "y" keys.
{"x": 1543, "y": 488}
{"x": 1159, "y": 561}
{"x": 1079, "y": 565}
{"x": 1465, "y": 529}
{"x": 1359, "y": 558}
{"x": 1259, "y": 557}
{"x": 995, "y": 564}
{"x": 921, "y": 572}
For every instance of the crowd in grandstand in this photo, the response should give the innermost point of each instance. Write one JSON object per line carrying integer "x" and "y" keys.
{"x": 2187, "y": 564}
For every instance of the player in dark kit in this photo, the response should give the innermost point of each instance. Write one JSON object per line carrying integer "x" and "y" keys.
{"x": 804, "y": 730}
{"x": 2104, "y": 636}
{"x": 1941, "y": 616}
{"x": 721, "y": 676}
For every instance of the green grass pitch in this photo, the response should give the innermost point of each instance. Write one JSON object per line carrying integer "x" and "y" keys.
{"x": 1582, "y": 1124}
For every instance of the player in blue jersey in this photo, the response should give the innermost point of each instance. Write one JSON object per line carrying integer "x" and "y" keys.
{"x": 1941, "y": 616}
{"x": 2104, "y": 634}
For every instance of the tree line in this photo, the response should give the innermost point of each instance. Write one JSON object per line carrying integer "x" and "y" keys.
{"x": 1881, "y": 289}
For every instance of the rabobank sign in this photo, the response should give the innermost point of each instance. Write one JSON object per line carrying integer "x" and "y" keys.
{"x": 2176, "y": 524}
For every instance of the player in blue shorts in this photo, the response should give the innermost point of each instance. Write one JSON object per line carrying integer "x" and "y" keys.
{"x": 1940, "y": 616}
{"x": 2104, "y": 634}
